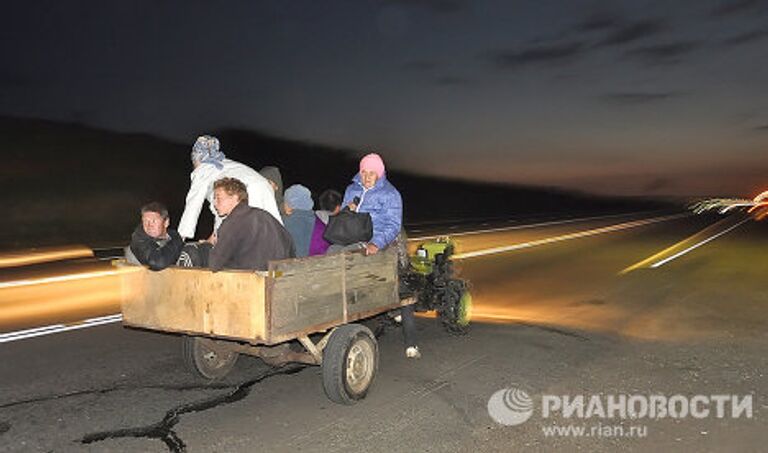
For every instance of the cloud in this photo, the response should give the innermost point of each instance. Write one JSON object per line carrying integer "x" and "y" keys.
{"x": 658, "y": 184}
{"x": 745, "y": 38}
{"x": 452, "y": 81}
{"x": 633, "y": 98}
{"x": 599, "y": 21}
{"x": 436, "y": 6}
{"x": 537, "y": 54}
{"x": 633, "y": 32}
{"x": 663, "y": 53}
{"x": 734, "y": 7}
{"x": 763, "y": 128}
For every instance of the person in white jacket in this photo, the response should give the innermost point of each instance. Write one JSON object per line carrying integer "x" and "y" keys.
{"x": 211, "y": 165}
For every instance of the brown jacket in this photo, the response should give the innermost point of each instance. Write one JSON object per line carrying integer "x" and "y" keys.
{"x": 249, "y": 238}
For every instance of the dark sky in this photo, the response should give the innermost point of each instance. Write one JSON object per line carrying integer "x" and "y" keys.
{"x": 633, "y": 97}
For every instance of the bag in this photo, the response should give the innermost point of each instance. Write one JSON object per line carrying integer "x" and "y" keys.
{"x": 349, "y": 227}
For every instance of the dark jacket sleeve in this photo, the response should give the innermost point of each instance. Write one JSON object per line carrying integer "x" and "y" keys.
{"x": 167, "y": 255}
{"x": 157, "y": 257}
{"x": 224, "y": 249}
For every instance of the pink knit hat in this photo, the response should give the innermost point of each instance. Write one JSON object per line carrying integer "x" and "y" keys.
{"x": 372, "y": 162}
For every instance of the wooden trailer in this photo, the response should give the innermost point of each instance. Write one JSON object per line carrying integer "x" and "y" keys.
{"x": 223, "y": 314}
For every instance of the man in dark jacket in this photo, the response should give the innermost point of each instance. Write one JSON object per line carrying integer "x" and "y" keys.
{"x": 248, "y": 238}
{"x": 154, "y": 244}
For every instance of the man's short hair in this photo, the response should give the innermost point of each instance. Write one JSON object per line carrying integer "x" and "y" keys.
{"x": 232, "y": 186}
{"x": 157, "y": 207}
{"x": 329, "y": 200}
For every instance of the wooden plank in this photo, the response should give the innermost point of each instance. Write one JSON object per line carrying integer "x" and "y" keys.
{"x": 327, "y": 326}
{"x": 362, "y": 271}
{"x": 305, "y": 292}
{"x": 372, "y": 281}
{"x": 344, "y": 302}
{"x": 225, "y": 304}
{"x": 371, "y": 298}
{"x": 323, "y": 291}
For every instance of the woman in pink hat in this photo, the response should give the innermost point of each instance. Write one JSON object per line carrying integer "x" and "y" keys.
{"x": 371, "y": 192}
{"x": 379, "y": 198}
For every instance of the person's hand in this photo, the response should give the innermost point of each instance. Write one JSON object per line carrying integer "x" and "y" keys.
{"x": 352, "y": 207}
{"x": 212, "y": 239}
{"x": 371, "y": 249}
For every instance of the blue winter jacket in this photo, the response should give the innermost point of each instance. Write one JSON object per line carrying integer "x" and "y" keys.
{"x": 383, "y": 203}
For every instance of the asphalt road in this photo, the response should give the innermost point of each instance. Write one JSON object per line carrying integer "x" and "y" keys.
{"x": 556, "y": 318}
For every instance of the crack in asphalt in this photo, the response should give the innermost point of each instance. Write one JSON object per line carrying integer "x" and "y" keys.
{"x": 117, "y": 388}
{"x": 163, "y": 430}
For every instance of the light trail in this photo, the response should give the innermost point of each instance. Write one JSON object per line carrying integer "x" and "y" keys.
{"x": 757, "y": 206}
{"x": 519, "y": 227}
{"x": 61, "y": 278}
{"x": 724, "y": 205}
{"x": 58, "y": 328}
{"x": 61, "y": 298}
{"x": 567, "y": 237}
{"x": 44, "y": 255}
{"x": 702, "y": 237}
{"x": 697, "y": 245}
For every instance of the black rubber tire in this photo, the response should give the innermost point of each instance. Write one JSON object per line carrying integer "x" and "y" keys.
{"x": 352, "y": 350}
{"x": 451, "y": 314}
{"x": 206, "y": 358}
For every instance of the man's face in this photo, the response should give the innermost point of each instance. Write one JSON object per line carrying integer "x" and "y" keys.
{"x": 369, "y": 178}
{"x": 155, "y": 225}
{"x": 224, "y": 202}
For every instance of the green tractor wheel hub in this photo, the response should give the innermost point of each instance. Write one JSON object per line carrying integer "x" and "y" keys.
{"x": 465, "y": 309}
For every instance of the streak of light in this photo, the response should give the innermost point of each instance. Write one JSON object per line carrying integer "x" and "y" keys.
{"x": 724, "y": 205}
{"x": 516, "y": 227}
{"x": 566, "y": 237}
{"x": 758, "y": 206}
{"x": 58, "y": 328}
{"x": 759, "y": 198}
{"x": 62, "y": 278}
{"x": 658, "y": 259}
{"x": 60, "y": 298}
{"x": 695, "y": 246}
{"x": 44, "y": 255}
{"x": 730, "y": 207}
{"x": 554, "y": 314}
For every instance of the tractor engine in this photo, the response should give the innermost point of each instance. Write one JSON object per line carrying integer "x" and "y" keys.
{"x": 430, "y": 278}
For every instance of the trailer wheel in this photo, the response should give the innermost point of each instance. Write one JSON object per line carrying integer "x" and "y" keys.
{"x": 207, "y": 358}
{"x": 350, "y": 362}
